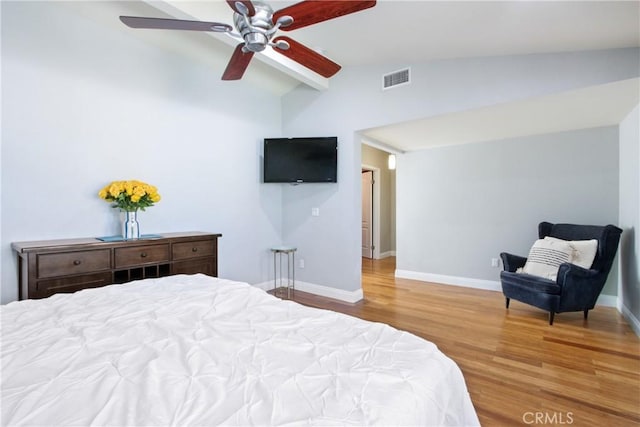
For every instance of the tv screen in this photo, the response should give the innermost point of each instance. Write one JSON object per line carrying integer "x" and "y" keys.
{"x": 299, "y": 160}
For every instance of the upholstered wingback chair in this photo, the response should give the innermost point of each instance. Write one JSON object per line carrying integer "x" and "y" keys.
{"x": 575, "y": 288}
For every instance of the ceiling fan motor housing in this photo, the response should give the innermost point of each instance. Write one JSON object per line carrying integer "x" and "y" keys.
{"x": 254, "y": 28}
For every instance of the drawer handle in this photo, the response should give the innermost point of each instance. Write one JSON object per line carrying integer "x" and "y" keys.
{"x": 194, "y": 249}
{"x": 143, "y": 255}
{"x": 77, "y": 262}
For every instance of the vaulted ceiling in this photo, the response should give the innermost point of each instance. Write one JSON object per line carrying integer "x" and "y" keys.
{"x": 407, "y": 32}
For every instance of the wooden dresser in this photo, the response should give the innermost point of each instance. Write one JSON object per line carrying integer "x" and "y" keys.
{"x": 53, "y": 266}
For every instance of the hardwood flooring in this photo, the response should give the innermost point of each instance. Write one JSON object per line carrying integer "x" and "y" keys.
{"x": 518, "y": 369}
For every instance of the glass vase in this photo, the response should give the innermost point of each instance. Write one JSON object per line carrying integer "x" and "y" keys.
{"x": 130, "y": 226}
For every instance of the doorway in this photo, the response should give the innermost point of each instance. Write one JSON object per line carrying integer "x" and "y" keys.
{"x": 380, "y": 230}
{"x": 367, "y": 214}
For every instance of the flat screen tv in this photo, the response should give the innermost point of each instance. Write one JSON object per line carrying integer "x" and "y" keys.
{"x": 300, "y": 160}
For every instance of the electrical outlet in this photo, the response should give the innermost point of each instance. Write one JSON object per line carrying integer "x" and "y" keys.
{"x": 315, "y": 211}
{"x": 495, "y": 262}
{"x": 301, "y": 263}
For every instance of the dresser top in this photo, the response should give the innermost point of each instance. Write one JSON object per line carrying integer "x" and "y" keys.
{"x": 23, "y": 247}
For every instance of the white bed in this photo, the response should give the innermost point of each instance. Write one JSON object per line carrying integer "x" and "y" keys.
{"x": 196, "y": 350}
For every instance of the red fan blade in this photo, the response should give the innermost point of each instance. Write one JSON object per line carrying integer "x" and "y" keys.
{"x": 173, "y": 24}
{"x": 250, "y": 9}
{"x": 313, "y": 11}
{"x": 237, "y": 64}
{"x": 307, "y": 57}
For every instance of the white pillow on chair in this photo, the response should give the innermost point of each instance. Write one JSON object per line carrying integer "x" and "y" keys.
{"x": 584, "y": 251}
{"x": 546, "y": 256}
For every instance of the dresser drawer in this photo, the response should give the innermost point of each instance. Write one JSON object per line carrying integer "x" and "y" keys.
{"x": 68, "y": 263}
{"x": 140, "y": 255}
{"x": 195, "y": 249}
{"x": 46, "y": 288}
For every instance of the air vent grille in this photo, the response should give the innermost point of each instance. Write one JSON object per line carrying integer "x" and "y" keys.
{"x": 395, "y": 79}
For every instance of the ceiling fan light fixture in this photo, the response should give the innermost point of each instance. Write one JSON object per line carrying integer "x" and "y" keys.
{"x": 255, "y": 42}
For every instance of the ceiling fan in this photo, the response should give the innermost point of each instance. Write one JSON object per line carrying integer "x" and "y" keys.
{"x": 256, "y": 24}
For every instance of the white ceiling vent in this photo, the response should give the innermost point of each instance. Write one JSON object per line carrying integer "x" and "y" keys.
{"x": 396, "y": 78}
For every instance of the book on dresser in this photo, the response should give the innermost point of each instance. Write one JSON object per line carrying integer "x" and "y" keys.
{"x": 53, "y": 266}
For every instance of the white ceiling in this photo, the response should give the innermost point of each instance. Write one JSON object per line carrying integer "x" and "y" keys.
{"x": 418, "y": 31}
{"x": 602, "y": 105}
{"x": 408, "y": 32}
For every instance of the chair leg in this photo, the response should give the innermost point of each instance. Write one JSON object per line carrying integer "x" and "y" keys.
{"x": 586, "y": 313}
{"x": 506, "y": 302}
{"x": 551, "y": 314}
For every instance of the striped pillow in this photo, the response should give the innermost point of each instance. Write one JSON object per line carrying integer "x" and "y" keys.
{"x": 584, "y": 251}
{"x": 546, "y": 256}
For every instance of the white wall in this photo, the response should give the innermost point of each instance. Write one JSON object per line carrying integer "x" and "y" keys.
{"x": 460, "y": 206}
{"x": 84, "y": 104}
{"x": 629, "y": 290}
{"x": 355, "y": 101}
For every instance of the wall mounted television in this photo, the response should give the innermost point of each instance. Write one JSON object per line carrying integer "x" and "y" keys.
{"x": 301, "y": 160}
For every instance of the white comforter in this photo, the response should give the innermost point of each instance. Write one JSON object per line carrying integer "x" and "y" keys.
{"x": 200, "y": 351}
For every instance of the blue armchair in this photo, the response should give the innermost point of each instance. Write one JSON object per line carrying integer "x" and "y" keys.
{"x": 576, "y": 288}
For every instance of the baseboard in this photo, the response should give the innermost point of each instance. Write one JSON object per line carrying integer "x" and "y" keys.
{"x": 387, "y": 254}
{"x": 489, "y": 285}
{"x": 323, "y": 291}
{"x": 607, "y": 301}
{"x": 631, "y": 319}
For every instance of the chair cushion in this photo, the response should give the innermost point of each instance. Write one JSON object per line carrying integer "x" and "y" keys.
{"x": 584, "y": 251}
{"x": 546, "y": 256}
{"x": 527, "y": 283}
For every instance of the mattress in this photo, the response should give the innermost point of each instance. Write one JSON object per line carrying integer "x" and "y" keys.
{"x": 192, "y": 350}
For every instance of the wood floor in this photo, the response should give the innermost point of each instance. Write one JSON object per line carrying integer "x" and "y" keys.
{"x": 519, "y": 370}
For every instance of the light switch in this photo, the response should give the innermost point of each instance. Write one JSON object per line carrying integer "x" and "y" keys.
{"x": 315, "y": 211}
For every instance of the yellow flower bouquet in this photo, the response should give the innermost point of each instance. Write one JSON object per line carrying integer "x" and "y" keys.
{"x": 130, "y": 195}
